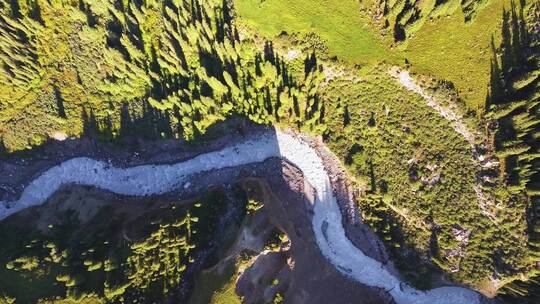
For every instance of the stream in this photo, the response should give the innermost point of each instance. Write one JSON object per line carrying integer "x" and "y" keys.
{"x": 148, "y": 180}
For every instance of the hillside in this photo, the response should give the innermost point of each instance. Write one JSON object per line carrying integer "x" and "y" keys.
{"x": 431, "y": 107}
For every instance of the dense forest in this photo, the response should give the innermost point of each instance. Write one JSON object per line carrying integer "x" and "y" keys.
{"x": 115, "y": 256}
{"x": 180, "y": 63}
{"x": 513, "y": 106}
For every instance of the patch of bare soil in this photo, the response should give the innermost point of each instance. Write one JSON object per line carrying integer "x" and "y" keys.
{"x": 298, "y": 272}
{"x": 83, "y": 202}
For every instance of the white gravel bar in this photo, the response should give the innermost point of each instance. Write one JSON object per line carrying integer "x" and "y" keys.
{"x": 327, "y": 222}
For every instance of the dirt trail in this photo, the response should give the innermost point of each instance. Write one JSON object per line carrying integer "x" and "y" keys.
{"x": 456, "y": 120}
{"x": 486, "y": 162}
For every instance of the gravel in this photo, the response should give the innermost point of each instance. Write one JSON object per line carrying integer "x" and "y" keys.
{"x": 327, "y": 222}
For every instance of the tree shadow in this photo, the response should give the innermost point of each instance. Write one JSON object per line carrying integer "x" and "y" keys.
{"x": 509, "y": 102}
{"x": 3, "y": 148}
{"x": 59, "y": 103}
{"x": 15, "y": 8}
{"x": 150, "y": 124}
{"x": 346, "y": 115}
{"x": 519, "y": 292}
{"x": 92, "y": 128}
{"x": 510, "y": 62}
{"x": 310, "y": 63}
{"x": 514, "y": 52}
{"x": 269, "y": 54}
{"x": 399, "y": 32}
{"x": 91, "y": 19}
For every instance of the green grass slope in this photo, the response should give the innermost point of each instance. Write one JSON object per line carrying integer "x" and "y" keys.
{"x": 339, "y": 23}
{"x": 449, "y": 43}
{"x": 460, "y": 52}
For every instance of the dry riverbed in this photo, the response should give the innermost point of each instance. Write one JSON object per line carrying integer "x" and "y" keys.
{"x": 339, "y": 238}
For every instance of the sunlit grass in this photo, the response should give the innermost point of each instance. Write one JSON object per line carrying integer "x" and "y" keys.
{"x": 445, "y": 47}
{"x": 339, "y": 23}
{"x": 453, "y": 50}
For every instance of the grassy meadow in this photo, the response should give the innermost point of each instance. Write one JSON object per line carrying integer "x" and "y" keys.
{"x": 459, "y": 52}
{"x": 445, "y": 46}
{"x": 339, "y": 23}
{"x": 216, "y": 286}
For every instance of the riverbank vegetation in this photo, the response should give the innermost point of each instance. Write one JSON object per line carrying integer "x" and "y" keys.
{"x": 420, "y": 185}
{"x": 115, "y": 256}
{"x": 184, "y": 60}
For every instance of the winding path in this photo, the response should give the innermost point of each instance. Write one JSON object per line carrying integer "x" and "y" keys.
{"x": 457, "y": 121}
{"x": 327, "y": 224}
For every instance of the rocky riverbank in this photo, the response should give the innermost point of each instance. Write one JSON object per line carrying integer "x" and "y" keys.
{"x": 341, "y": 237}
